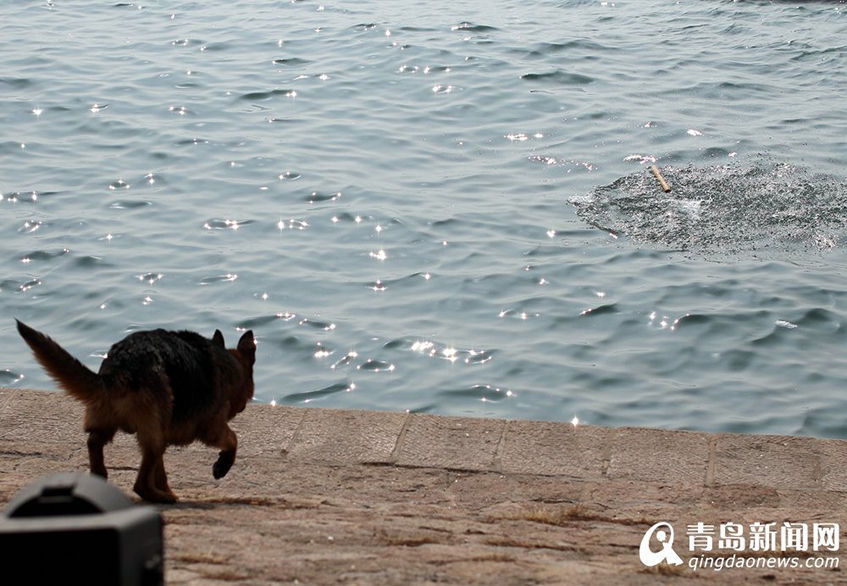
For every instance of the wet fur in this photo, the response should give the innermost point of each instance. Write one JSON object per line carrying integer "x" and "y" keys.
{"x": 168, "y": 388}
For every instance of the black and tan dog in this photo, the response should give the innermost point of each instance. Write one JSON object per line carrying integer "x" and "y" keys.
{"x": 169, "y": 388}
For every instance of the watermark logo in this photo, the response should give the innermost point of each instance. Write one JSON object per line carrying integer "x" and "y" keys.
{"x": 754, "y": 545}
{"x": 664, "y": 536}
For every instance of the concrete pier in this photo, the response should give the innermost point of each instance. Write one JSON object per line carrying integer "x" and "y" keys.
{"x": 320, "y": 496}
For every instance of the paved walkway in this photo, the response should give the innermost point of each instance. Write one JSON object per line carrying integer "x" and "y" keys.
{"x": 360, "y": 497}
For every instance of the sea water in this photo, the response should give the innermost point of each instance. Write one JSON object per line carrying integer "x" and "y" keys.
{"x": 442, "y": 207}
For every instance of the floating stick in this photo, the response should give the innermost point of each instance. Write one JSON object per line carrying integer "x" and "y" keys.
{"x": 665, "y": 185}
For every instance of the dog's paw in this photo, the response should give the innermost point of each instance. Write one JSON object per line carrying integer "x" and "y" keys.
{"x": 220, "y": 469}
{"x": 222, "y": 466}
{"x": 155, "y": 495}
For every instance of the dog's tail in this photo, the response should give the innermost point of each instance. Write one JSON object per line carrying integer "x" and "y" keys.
{"x": 72, "y": 375}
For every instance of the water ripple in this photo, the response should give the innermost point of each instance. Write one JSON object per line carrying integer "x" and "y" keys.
{"x": 23, "y": 197}
{"x": 471, "y": 27}
{"x": 316, "y": 197}
{"x": 30, "y": 225}
{"x": 605, "y": 308}
{"x": 269, "y": 94}
{"x": 41, "y": 255}
{"x": 225, "y": 224}
{"x": 375, "y": 365}
{"x": 310, "y": 396}
{"x": 479, "y": 392}
{"x": 130, "y": 204}
{"x": 291, "y": 61}
{"x": 9, "y": 378}
{"x": 469, "y": 356}
{"x": 559, "y": 77}
{"x": 225, "y": 278}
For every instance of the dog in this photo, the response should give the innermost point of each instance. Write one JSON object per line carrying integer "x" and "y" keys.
{"x": 167, "y": 387}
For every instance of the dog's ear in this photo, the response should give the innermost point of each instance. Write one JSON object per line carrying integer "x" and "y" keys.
{"x": 218, "y": 339}
{"x": 247, "y": 346}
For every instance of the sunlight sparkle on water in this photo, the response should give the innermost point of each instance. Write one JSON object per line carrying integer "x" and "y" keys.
{"x": 472, "y": 354}
{"x": 424, "y": 347}
{"x": 346, "y": 359}
{"x": 150, "y": 278}
{"x": 321, "y": 352}
{"x": 292, "y": 224}
{"x": 29, "y": 285}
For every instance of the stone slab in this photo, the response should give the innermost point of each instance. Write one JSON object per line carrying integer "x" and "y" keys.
{"x": 552, "y": 448}
{"x": 659, "y": 455}
{"x": 347, "y": 436}
{"x": 450, "y": 442}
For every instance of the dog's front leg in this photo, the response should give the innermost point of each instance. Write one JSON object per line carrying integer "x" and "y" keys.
{"x": 161, "y": 477}
{"x": 228, "y": 441}
{"x": 151, "y": 483}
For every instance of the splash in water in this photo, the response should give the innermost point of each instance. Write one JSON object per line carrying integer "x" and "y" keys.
{"x": 726, "y": 208}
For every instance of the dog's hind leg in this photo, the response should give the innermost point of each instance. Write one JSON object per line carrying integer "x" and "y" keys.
{"x": 97, "y": 438}
{"x": 101, "y": 428}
